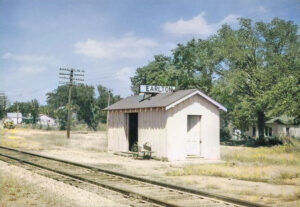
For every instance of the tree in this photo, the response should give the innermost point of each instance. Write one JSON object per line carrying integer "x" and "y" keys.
{"x": 158, "y": 72}
{"x": 47, "y": 111}
{"x": 83, "y": 104}
{"x": 248, "y": 69}
{"x": 193, "y": 65}
{"x": 102, "y": 101}
{"x": 257, "y": 59}
{"x": 196, "y": 64}
{"x": 3, "y": 105}
{"x": 22, "y": 107}
{"x": 85, "y": 100}
{"x": 34, "y": 111}
{"x": 28, "y": 109}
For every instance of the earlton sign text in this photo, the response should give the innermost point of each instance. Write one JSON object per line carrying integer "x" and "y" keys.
{"x": 156, "y": 89}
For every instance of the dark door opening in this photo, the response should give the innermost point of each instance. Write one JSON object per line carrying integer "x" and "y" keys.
{"x": 133, "y": 129}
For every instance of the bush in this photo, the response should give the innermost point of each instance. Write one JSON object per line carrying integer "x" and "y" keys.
{"x": 224, "y": 134}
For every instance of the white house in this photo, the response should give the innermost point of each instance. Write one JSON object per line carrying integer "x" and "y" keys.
{"x": 15, "y": 117}
{"x": 177, "y": 124}
{"x": 278, "y": 126}
{"x": 45, "y": 120}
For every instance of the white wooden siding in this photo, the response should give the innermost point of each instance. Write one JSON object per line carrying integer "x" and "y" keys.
{"x": 209, "y": 132}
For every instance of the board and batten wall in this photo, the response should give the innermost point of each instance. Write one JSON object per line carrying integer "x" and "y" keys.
{"x": 209, "y": 128}
{"x": 151, "y": 128}
{"x": 117, "y": 132}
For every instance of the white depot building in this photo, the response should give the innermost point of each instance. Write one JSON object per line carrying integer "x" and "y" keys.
{"x": 177, "y": 124}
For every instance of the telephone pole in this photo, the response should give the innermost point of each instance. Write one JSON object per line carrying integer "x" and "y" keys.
{"x": 69, "y": 103}
{"x": 71, "y": 76}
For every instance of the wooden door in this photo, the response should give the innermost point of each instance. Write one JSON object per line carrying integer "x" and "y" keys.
{"x": 193, "y": 135}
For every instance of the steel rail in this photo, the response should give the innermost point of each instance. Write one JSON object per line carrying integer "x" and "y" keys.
{"x": 124, "y": 175}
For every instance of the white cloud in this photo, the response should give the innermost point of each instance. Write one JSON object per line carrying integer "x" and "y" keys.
{"x": 28, "y": 58}
{"x": 129, "y": 47}
{"x": 124, "y": 73}
{"x": 197, "y": 26}
{"x": 262, "y": 9}
{"x": 32, "y": 69}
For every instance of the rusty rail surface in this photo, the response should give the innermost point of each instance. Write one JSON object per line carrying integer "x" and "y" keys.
{"x": 161, "y": 193}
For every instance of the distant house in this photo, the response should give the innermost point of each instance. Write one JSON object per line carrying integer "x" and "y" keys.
{"x": 45, "y": 120}
{"x": 278, "y": 126}
{"x": 15, "y": 117}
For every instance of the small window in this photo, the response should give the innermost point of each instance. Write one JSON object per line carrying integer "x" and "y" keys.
{"x": 270, "y": 132}
{"x": 192, "y": 121}
{"x": 254, "y": 132}
{"x": 287, "y": 130}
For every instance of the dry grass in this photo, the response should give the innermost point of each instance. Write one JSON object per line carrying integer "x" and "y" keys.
{"x": 277, "y": 165}
{"x": 35, "y": 139}
{"x": 16, "y": 193}
{"x": 276, "y": 155}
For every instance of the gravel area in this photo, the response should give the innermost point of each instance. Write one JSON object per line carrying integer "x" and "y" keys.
{"x": 31, "y": 189}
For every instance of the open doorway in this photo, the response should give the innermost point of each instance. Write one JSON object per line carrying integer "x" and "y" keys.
{"x": 133, "y": 129}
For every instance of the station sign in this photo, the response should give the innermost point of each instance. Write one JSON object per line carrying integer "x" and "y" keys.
{"x": 156, "y": 89}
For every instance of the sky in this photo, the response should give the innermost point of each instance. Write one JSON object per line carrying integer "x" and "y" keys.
{"x": 109, "y": 40}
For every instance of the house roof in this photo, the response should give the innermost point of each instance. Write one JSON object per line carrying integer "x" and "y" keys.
{"x": 167, "y": 100}
{"x": 14, "y": 115}
{"x": 282, "y": 120}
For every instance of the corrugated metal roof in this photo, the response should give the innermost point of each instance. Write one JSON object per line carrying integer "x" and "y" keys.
{"x": 159, "y": 100}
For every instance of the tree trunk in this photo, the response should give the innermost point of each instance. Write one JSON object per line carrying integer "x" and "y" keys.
{"x": 261, "y": 124}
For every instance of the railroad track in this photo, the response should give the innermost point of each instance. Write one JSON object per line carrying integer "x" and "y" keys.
{"x": 143, "y": 192}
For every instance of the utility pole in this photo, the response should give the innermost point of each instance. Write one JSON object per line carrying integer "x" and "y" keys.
{"x": 72, "y": 80}
{"x": 69, "y": 103}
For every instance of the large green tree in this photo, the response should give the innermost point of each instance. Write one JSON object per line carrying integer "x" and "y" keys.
{"x": 254, "y": 70}
{"x": 196, "y": 64}
{"x": 258, "y": 58}
{"x": 83, "y": 104}
{"x": 160, "y": 71}
{"x": 193, "y": 65}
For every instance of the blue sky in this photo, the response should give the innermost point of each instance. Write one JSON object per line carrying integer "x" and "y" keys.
{"x": 107, "y": 39}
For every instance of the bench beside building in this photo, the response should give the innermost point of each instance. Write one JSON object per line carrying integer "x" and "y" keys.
{"x": 177, "y": 124}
